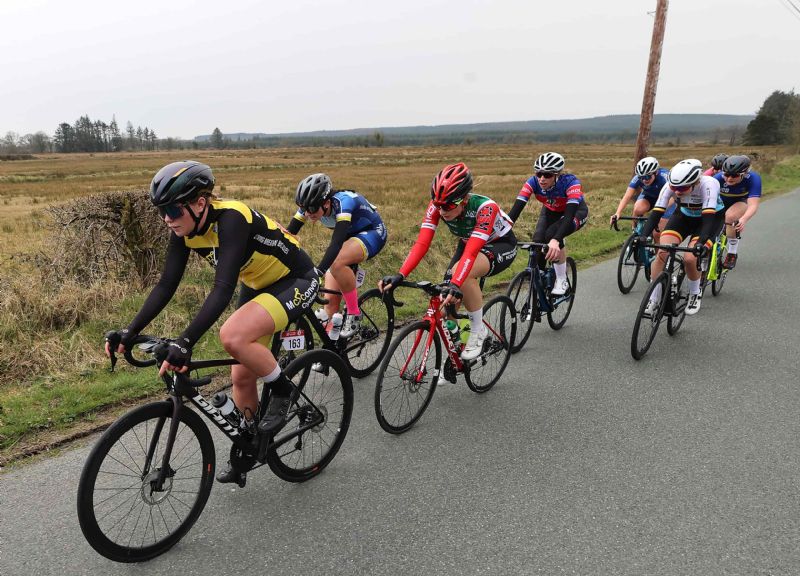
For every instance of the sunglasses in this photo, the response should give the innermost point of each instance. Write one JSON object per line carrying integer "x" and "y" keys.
{"x": 172, "y": 210}
{"x": 647, "y": 176}
{"x": 731, "y": 175}
{"x": 545, "y": 174}
{"x": 447, "y": 206}
{"x": 679, "y": 188}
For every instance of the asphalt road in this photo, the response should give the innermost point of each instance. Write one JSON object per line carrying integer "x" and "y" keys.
{"x": 580, "y": 461}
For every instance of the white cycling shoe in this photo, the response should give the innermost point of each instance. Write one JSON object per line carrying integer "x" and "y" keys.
{"x": 560, "y": 287}
{"x": 693, "y": 305}
{"x": 474, "y": 345}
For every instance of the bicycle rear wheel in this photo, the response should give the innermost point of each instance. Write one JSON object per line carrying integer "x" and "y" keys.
{"x": 562, "y": 305}
{"x": 646, "y": 325}
{"x": 365, "y": 349}
{"x": 628, "y": 266}
{"x": 318, "y": 421}
{"x": 526, "y": 304}
{"x": 405, "y": 384}
{"x": 678, "y": 313}
{"x": 500, "y": 319}
{"x": 122, "y": 513}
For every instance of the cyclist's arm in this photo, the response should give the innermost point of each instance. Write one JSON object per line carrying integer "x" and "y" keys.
{"x": 161, "y": 294}
{"x": 484, "y": 223}
{"x": 569, "y": 214}
{"x": 424, "y": 239}
{"x": 630, "y": 192}
{"x": 296, "y": 223}
{"x": 340, "y": 234}
{"x": 658, "y": 210}
{"x": 522, "y": 199}
{"x": 233, "y": 232}
{"x": 752, "y": 208}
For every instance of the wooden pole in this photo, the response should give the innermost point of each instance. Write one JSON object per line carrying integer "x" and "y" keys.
{"x": 651, "y": 82}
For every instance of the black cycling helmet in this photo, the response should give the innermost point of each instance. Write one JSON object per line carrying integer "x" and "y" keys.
{"x": 313, "y": 191}
{"x": 716, "y": 161}
{"x": 736, "y": 164}
{"x": 181, "y": 183}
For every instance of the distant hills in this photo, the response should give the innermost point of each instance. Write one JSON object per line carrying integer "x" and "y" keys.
{"x": 675, "y": 123}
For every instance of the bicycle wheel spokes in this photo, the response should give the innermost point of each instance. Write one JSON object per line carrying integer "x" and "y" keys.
{"x": 628, "y": 266}
{"x": 366, "y": 348}
{"x": 525, "y": 303}
{"x": 123, "y": 513}
{"x": 318, "y": 421}
{"x": 562, "y": 305}
{"x": 678, "y": 313}
{"x": 646, "y": 325}
{"x": 499, "y": 319}
{"x": 407, "y": 378}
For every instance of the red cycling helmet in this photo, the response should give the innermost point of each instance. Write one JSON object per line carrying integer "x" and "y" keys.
{"x": 451, "y": 185}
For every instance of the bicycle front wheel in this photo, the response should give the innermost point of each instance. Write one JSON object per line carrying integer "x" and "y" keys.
{"x": 562, "y": 305}
{"x": 365, "y": 349}
{"x": 526, "y": 304}
{"x": 646, "y": 325}
{"x": 318, "y": 421}
{"x": 122, "y": 512}
{"x": 500, "y": 320}
{"x": 407, "y": 378}
{"x": 678, "y": 312}
{"x": 628, "y": 266}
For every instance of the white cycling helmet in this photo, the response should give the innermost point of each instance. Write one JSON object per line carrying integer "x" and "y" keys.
{"x": 647, "y": 165}
{"x": 549, "y": 162}
{"x": 685, "y": 172}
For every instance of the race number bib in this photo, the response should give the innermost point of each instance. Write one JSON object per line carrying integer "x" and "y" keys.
{"x": 293, "y": 340}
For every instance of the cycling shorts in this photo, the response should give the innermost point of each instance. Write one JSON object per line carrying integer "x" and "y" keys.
{"x": 500, "y": 254}
{"x": 372, "y": 241}
{"x": 285, "y": 300}
{"x": 549, "y": 222}
{"x": 728, "y": 202}
{"x": 681, "y": 226}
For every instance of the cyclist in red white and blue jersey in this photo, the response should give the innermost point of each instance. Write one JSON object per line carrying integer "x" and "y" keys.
{"x": 358, "y": 235}
{"x": 564, "y": 211}
{"x": 646, "y": 184}
{"x": 740, "y": 190}
{"x": 486, "y": 246}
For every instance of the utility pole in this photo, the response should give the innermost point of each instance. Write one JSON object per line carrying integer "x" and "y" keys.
{"x": 651, "y": 83}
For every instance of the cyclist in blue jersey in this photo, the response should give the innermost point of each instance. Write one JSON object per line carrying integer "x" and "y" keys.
{"x": 358, "y": 234}
{"x": 646, "y": 185}
{"x": 563, "y": 212}
{"x": 740, "y": 190}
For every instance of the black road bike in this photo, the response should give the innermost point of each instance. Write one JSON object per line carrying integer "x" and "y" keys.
{"x": 632, "y": 257}
{"x": 530, "y": 291}
{"x": 149, "y": 476}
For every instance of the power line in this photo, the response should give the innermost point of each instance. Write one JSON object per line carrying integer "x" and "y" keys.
{"x": 792, "y": 8}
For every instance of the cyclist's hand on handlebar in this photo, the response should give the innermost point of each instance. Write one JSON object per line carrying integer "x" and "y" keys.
{"x": 452, "y": 294}
{"x": 179, "y": 353}
{"x": 553, "y": 250}
{"x": 118, "y": 341}
{"x": 699, "y": 250}
{"x": 739, "y": 226}
{"x": 390, "y": 282}
{"x": 613, "y": 221}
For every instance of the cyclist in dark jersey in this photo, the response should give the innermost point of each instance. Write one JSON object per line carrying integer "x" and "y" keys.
{"x": 358, "y": 235}
{"x": 278, "y": 284}
{"x": 486, "y": 246}
{"x": 646, "y": 185}
{"x": 563, "y": 212}
{"x": 740, "y": 191}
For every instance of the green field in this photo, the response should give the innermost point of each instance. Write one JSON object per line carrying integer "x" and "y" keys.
{"x": 53, "y": 377}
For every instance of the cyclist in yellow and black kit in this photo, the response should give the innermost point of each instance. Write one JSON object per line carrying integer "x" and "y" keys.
{"x": 277, "y": 277}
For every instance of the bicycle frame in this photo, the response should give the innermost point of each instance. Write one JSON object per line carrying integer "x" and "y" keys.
{"x": 537, "y": 276}
{"x": 435, "y": 317}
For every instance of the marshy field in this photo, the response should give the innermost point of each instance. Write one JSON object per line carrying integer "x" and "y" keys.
{"x": 54, "y": 307}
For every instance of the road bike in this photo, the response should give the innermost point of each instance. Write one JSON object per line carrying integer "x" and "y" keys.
{"x": 148, "y": 477}
{"x": 632, "y": 257}
{"x": 670, "y": 305}
{"x": 412, "y": 367}
{"x": 362, "y": 352}
{"x": 714, "y": 272}
{"x": 530, "y": 292}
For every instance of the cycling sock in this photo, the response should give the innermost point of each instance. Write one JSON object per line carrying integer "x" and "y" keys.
{"x": 561, "y": 269}
{"x": 278, "y": 382}
{"x": 733, "y": 245}
{"x": 655, "y": 296}
{"x": 694, "y": 286}
{"x": 351, "y": 300}
{"x": 475, "y": 318}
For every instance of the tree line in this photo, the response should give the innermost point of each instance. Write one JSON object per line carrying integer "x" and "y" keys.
{"x": 777, "y": 121}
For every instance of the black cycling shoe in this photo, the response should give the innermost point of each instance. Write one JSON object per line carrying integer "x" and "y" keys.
{"x": 231, "y": 474}
{"x": 277, "y": 409}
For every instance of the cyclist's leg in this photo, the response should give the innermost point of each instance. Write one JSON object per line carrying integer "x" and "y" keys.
{"x": 546, "y": 219}
{"x": 733, "y": 212}
{"x": 341, "y": 277}
{"x": 560, "y": 265}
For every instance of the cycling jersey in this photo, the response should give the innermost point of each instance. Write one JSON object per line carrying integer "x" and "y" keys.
{"x": 565, "y": 190}
{"x": 350, "y": 216}
{"x": 481, "y": 222}
{"x": 650, "y": 191}
{"x": 240, "y": 244}
{"x": 701, "y": 199}
{"x": 748, "y": 187}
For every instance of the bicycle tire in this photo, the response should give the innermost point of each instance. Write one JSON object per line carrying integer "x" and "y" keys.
{"x": 675, "y": 321}
{"x": 364, "y": 354}
{"x": 716, "y": 285}
{"x": 558, "y": 317}
{"x": 640, "y": 346}
{"x": 399, "y": 400}
{"x": 500, "y": 318}
{"x": 326, "y": 394}
{"x": 626, "y": 278}
{"x": 283, "y": 356}
{"x": 115, "y": 489}
{"x": 518, "y": 291}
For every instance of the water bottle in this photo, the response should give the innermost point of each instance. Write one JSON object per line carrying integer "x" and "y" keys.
{"x": 465, "y": 328}
{"x": 550, "y": 278}
{"x": 336, "y": 326}
{"x": 321, "y": 315}
{"x": 454, "y": 330}
{"x": 222, "y": 402}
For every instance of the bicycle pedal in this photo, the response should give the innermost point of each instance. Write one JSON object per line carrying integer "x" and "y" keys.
{"x": 242, "y": 480}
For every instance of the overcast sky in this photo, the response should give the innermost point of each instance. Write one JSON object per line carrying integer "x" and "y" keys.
{"x": 183, "y": 67}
